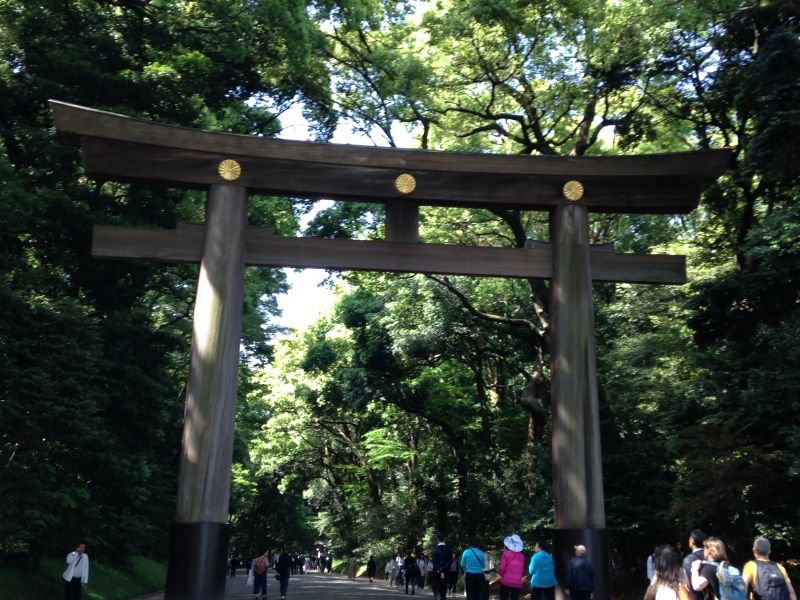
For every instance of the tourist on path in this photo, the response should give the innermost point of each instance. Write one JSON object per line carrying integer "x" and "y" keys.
{"x": 704, "y": 574}
{"x": 667, "y": 582}
{"x": 441, "y": 557}
{"x": 352, "y": 565}
{"x": 511, "y": 568}
{"x": 282, "y": 571}
{"x": 452, "y": 578}
{"x": 542, "y": 570}
{"x": 580, "y": 576}
{"x": 411, "y": 571}
{"x": 76, "y": 573}
{"x": 260, "y": 566}
{"x": 388, "y": 570}
{"x": 472, "y": 561}
{"x": 765, "y": 577}
{"x": 422, "y": 569}
{"x": 371, "y": 568}
{"x": 696, "y": 539}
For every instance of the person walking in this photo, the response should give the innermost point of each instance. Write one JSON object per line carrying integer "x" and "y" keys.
{"x": 580, "y": 576}
{"x": 388, "y": 570}
{"x": 472, "y": 561}
{"x": 704, "y": 573}
{"x": 411, "y": 570}
{"x": 452, "y": 578}
{"x": 76, "y": 573}
{"x": 233, "y": 563}
{"x": 371, "y": 568}
{"x": 542, "y": 570}
{"x": 511, "y": 568}
{"x": 260, "y": 567}
{"x": 283, "y": 568}
{"x": 422, "y": 569}
{"x": 764, "y": 577}
{"x": 352, "y": 565}
{"x": 667, "y": 582}
{"x": 696, "y": 539}
{"x": 441, "y": 556}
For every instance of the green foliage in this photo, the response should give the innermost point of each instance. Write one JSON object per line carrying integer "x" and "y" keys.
{"x": 420, "y": 403}
{"x": 95, "y": 353}
{"x": 137, "y": 576}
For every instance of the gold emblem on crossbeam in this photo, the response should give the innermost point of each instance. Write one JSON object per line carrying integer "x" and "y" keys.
{"x": 229, "y": 169}
{"x": 573, "y": 190}
{"x": 405, "y": 183}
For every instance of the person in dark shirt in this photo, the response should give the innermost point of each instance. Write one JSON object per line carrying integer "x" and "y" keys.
{"x": 580, "y": 577}
{"x": 441, "y": 557}
{"x": 704, "y": 574}
{"x": 696, "y": 539}
{"x": 283, "y": 569}
{"x": 411, "y": 572}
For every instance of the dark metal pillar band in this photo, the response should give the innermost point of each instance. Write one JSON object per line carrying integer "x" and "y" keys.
{"x": 197, "y": 561}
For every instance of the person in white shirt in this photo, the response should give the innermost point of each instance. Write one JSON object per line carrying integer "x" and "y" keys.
{"x": 77, "y": 572}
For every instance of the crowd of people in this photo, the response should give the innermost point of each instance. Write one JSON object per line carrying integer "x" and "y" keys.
{"x": 706, "y": 573}
{"x": 441, "y": 569}
{"x": 284, "y": 565}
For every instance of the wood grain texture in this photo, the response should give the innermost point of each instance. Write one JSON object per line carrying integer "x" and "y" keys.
{"x": 122, "y": 148}
{"x": 207, "y": 451}
{"x": 577, "y": 465}
{"x": 402, "y": 221}
{"x": 263, "y": 248}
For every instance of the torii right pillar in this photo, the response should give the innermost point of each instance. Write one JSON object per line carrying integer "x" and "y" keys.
{"x": 577, "y": 466}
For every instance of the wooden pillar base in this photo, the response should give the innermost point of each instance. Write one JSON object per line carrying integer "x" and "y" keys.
{"x": 198, "y": 553}
{"x": 597, "y": 551}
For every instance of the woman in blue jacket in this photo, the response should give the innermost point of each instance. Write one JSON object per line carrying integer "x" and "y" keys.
{"x": 543, "y": 574}
{"x": 472, "y": 560}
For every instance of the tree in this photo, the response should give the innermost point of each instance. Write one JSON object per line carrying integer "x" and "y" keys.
{"x": 95, "y": 353}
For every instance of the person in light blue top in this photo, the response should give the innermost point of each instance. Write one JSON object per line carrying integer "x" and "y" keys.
{"x": 543, "y": 574}
{"x": 472, "y": 561}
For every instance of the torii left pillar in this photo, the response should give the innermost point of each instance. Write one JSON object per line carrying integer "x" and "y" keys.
{"x": 199, "y": 537}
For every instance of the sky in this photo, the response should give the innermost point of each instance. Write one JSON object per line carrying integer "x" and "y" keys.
{"x": 306, "y": 300}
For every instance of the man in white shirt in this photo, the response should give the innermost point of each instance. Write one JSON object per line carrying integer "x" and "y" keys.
{"x": 77, "y": 572}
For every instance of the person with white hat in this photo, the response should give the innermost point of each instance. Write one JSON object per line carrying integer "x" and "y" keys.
{"x": 512, "y": 568}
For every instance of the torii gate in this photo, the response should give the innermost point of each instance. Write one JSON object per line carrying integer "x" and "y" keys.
{"x": 120, "y": 148}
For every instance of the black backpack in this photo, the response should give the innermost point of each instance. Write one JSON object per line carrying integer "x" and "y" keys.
{"x": 770, "y": 584}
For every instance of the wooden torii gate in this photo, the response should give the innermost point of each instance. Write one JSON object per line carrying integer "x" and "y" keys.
{"x": 229, "y": 166}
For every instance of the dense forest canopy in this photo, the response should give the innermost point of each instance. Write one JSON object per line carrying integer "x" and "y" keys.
{"x": 419, "y": 403}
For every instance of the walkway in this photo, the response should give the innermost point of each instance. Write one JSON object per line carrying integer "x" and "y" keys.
{"x": 314, "y": 586}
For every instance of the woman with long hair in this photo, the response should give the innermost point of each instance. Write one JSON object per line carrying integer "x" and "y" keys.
{"x": 666, "y": 584}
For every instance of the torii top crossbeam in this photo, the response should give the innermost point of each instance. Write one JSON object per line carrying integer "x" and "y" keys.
{"x": 123, "y": 148}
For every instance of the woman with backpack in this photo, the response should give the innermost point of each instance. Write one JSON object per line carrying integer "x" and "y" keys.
{"x": 259, "y": 571}
{"x": 704, "y": 572}
{"x": 666, "y": 583}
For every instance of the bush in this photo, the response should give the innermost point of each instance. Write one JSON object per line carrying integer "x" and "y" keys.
{"x": 136, "y": 577}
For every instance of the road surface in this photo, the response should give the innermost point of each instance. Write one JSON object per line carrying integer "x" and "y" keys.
{"x": 314, "y": 586}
